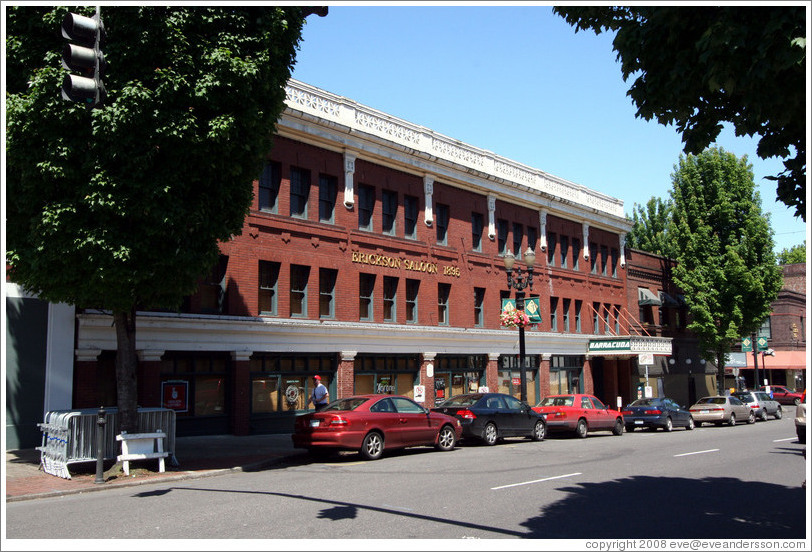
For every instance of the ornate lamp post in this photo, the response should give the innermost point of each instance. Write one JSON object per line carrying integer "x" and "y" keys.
{"x": 519, "y": 282}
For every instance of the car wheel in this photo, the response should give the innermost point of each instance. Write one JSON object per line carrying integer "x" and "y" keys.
{"x": 751, "y": 419}
{"x": 779, "y": 414}
{"x": 539, "y": 431}
{"x": 669, "y": 425}
{"x": 446, "y": 440}
{"x": 732, "y": 420}
{"x": 372, "y": 447}
{"x": 581, "y": 429}
{"x": 490, "y": 434}
{"x": 797, "y": 402}
{"x": 763, "y": 415}
{"x": 690, "y": 425}
{"x": 618, "y": 429}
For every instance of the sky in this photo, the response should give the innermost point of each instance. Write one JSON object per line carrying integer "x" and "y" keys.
{"x": 514, "y": 79}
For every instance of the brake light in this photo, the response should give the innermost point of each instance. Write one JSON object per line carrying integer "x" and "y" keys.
{"x": 653, "y": 412}
{"x": 753, "y": 406}
{"x": 335, "y": 421}
{"x": 467, "y": 414}
{"x": 559, "y": 414}
{"x": 627, "y": 413}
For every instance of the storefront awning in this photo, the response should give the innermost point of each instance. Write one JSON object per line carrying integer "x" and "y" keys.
{"x": 783, "y": 360}
{"x": 647, "y": 297}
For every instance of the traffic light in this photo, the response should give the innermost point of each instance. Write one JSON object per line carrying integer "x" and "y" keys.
{"x": 84, "y": 57}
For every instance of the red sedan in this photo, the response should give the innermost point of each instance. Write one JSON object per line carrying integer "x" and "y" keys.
{"x": 580, "y": 414}
{"x": 371, "y": 424}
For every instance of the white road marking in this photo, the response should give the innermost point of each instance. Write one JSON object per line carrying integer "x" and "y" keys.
{"x": 535, "y": 481}
{"x": 697, "y": 452}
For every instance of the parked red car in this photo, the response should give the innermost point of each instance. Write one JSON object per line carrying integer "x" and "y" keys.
{"x": 580, "y": 414}
{"x": 783, "y": 395}
{"x": 371, "y": 424}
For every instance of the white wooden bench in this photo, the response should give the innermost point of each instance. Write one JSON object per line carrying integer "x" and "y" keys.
{"x": 141, "y": 446}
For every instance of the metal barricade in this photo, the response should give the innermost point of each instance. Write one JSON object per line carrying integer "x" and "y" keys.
{"x": 69, "y": 436}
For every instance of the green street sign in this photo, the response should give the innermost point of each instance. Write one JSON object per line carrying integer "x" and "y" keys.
{"x": 761, "y": 342}
{"x": 747, "y": 345}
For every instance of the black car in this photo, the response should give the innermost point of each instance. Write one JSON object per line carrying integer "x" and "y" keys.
{"x": 493, "y": 416}
{"x": 656, "y": 412}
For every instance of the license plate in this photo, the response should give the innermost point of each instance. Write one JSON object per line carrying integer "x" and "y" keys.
{"x": 314, "y": 423}
{"x": 638, "y": 422}
{"x": 704, "y": 411}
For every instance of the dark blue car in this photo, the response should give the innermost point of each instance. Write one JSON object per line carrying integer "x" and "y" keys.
{"x": 492, "y": 416}
{"x": 656, "y": 412}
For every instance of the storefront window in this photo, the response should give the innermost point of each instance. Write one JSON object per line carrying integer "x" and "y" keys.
{"x": 387, "y": 374}
{"x": 510, "y": 377}
{"x": 458, "y": 374}
{"x": 565, "y": 374}
{"x": 283, "y": 383}
{"x": 206, "y": 377}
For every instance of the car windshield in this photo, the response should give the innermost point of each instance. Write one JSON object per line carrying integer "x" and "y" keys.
{"x": 645, "y": 402}
{"x": 462, "y": 400}
{"x": 712, "y": 400}
{"x": 565, "y": 400}
{"x": 346, "y": 404}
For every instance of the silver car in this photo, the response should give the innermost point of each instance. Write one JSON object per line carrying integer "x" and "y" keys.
{"x": 719, "y": 409}
{"x": 761, "y": 404}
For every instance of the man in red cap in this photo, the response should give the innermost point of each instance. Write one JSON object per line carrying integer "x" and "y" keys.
{"x": 320, "y": 396}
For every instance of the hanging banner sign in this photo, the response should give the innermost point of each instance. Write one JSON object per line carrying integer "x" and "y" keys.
{"x": 175, "y": 395}
{"x": 532, "y": 308}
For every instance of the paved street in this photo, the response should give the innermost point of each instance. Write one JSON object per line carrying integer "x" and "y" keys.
{"x": 714, "y": 482}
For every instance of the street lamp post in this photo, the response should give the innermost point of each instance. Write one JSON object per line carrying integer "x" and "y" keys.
{"x": 519, "y": 282}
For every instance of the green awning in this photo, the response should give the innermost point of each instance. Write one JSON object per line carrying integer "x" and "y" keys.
{"x": 646, "y": 297}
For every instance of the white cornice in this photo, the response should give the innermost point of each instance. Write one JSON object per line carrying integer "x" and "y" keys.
{"x": 334, "y": 122}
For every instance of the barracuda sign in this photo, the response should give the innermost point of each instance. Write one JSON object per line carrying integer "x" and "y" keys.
{"x": 630, "y": 345}
{"x": 610, "y": 345}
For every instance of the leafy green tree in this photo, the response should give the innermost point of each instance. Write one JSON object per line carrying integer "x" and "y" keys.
{"x": 650, "y": 230}
{"x": 122, "y": 207}
{"x": 792, "y": 255}
{"x": 724, "y": 251}
{"x": 696, "y": 67}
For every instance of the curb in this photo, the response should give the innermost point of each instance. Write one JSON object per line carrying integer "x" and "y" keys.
{"x": 257, "y": 466}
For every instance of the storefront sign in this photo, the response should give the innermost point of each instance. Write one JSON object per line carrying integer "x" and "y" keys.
{"x": 532, "y": 308}
{"x": 175, "y": 395}
{"x": 402, "y": 263}
{"x": 610, "y": 345}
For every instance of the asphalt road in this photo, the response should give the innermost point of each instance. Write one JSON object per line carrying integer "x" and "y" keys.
{"x": 714, "y": 482}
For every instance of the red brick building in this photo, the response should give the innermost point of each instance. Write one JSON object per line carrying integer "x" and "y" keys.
{"x": 373, "y": 255}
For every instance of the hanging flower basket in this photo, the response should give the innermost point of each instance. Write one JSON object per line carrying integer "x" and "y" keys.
{"x": 514, "y": 318}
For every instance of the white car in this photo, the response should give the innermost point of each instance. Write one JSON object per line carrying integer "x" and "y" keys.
{"x": 800, "y": 422}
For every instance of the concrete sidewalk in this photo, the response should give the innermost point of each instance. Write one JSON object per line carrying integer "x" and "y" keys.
{"x": 197, "y": 457}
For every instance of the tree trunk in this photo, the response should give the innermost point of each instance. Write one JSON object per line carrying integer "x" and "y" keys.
{"x": 720, "y": 372}
{"x": 126, "y": 366}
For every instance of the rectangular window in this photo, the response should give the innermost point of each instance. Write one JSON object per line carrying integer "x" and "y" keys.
{"x": 532, "y": 238}
{"x": 553, "y": 314}
{"x": 328, "y": 186}
{"x": 366, "y": 206}
{"x": 268, "y": 281}
{"x": 502, "y": 235}
{"x": 389, "y": 212}
{"x": 443, "y": 293}
{"x": 410, "y": 217}
{"x": 552, "y": 241}
{"x": 607, "y": 326}
{"x": 390, "y": 294}
{"x": 596, "y": 318}
{"x": 412, "y": 288}
{"x": 616, "y": 313}
{"x": 593, "y": 258}
{"x": 518, "y": 237}
{"x": 299, "y": 192}
{"x": 269, "y": 182}
{"x": 441, "y": 212}
{"x": 614, "y": 257}
{"x": 479, "y": 301}
{"x": 477, "y": 225}
{"x": 366, "y": 289}
{"x": 604, "y": 259}
{"x": 576, "y": 253}
{"x": 578, "y": 305}
{"x": 766, "y": 329}
{"x": 298, "y": 290}
{"x": 565, "y": 312}
{"x": 564, "y": 250}
{"x": 327, "y": 286}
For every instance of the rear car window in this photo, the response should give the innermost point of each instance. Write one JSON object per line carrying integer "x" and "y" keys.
{"x": 346, "y": 404}
{"x": 462, "y": 400}
{"x": 557, "y": 401}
